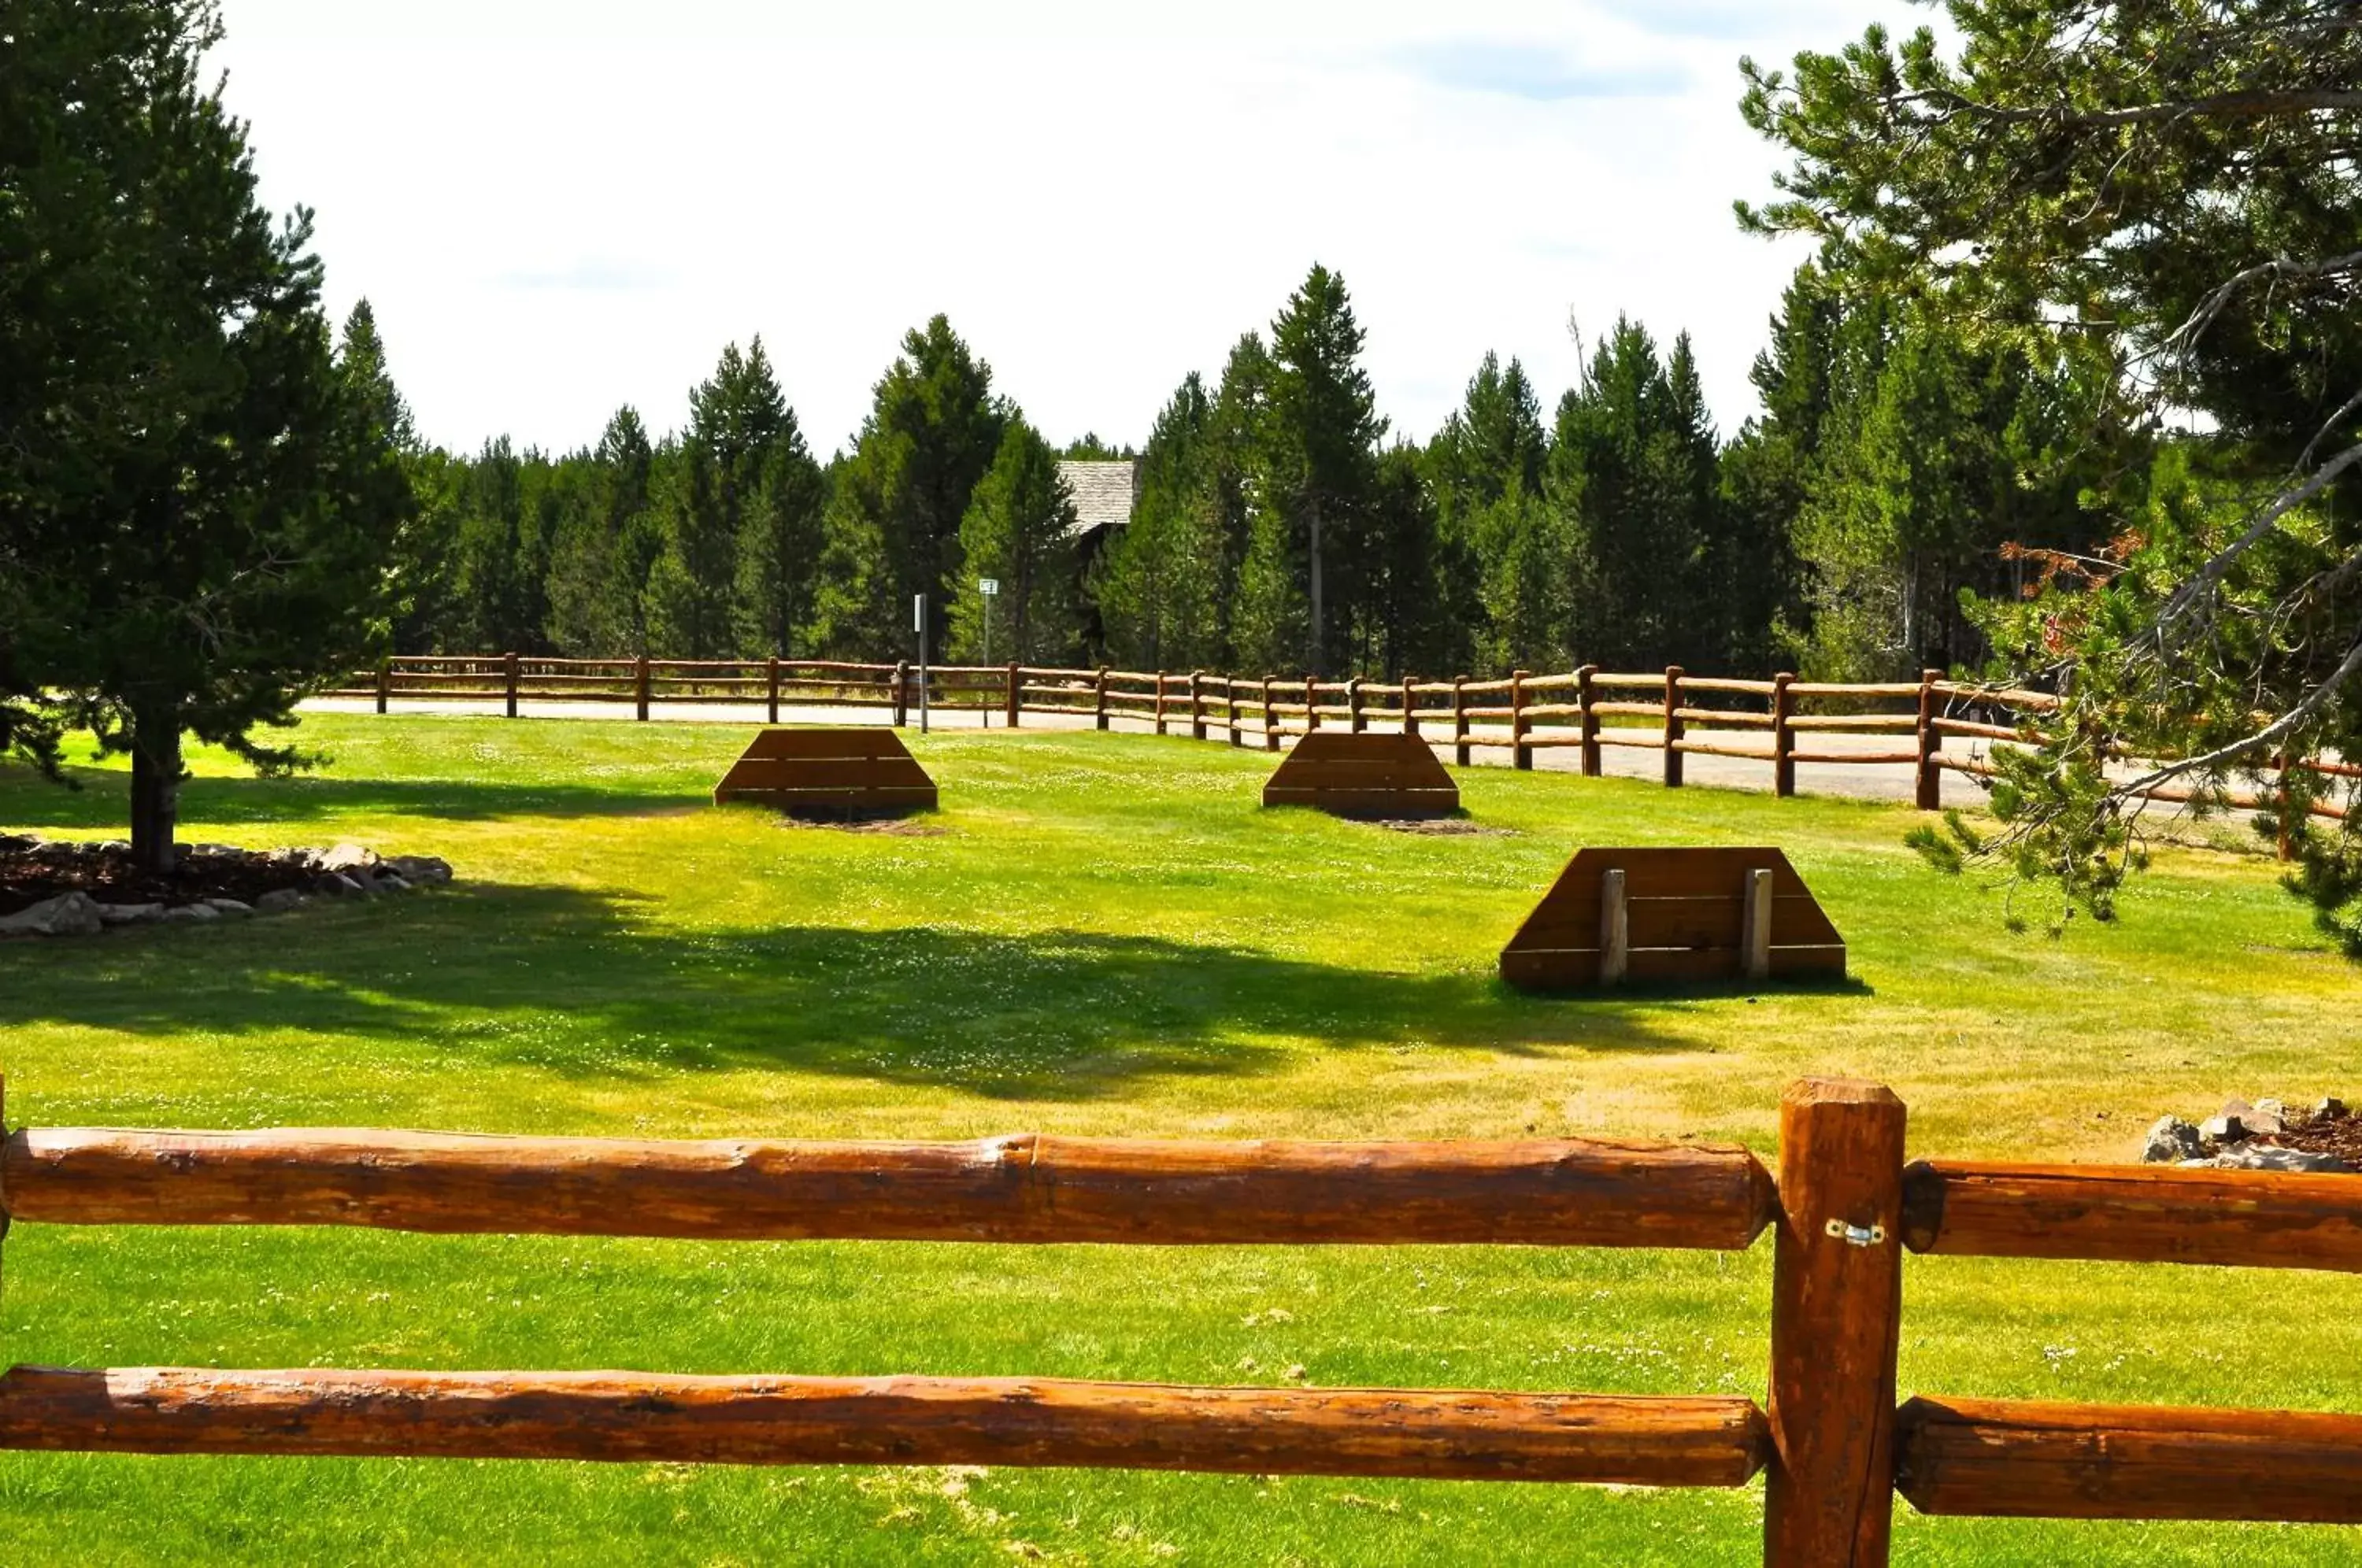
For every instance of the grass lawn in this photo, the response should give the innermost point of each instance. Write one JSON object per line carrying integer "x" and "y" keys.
{"x": 1108, "y": 935}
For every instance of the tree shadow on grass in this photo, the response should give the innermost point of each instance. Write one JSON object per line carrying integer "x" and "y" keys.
{"x": 220, "y": 802}
{"x": 585, "y": 985}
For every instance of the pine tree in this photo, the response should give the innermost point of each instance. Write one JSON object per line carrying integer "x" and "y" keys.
{"x": 196, "y": 501}
{"x": 736, "y": 418}
{"x": 1160, "y": 585}
{"x": 1020, "y": 529}
{"x": 1500, "y": 583}
{"x": 895, "y": 504}
{"x": 1319, "y": 459}
{"x": 1621, "y": 474}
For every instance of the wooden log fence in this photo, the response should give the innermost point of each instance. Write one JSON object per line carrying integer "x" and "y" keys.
{"x": 1836, "y": 1447}
{"x": 1673, "y": 712}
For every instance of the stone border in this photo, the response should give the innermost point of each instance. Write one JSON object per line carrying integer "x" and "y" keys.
{"x": 344, "y": 871}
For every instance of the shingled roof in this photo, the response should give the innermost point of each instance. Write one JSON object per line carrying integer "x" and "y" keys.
{"x": 1104, "y": 491}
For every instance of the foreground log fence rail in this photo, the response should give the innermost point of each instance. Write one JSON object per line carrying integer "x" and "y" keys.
{"x": 1834, "y": 1445}
{"x": 1779, "y": 723}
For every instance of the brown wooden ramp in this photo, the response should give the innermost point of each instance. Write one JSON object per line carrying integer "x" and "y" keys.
{"x": 1363, "y": 776}
{"x": 1673, "y": 915}
{"x": 847, "y": 771}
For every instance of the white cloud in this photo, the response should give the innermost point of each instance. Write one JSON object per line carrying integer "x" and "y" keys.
{"x": 558, "y": 208}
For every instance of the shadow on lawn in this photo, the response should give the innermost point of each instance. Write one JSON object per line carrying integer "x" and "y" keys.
{"x": 576, "y": 983}
{"x": 104, "y": 800}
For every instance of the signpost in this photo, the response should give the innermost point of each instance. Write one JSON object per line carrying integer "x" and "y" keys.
{"x": 919, "y": 624}
{"x": 989, "y": 587}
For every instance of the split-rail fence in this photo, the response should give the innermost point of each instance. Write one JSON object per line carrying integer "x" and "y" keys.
{"x": 1779, "y": 723}
{"x": 1830, "y": 1438}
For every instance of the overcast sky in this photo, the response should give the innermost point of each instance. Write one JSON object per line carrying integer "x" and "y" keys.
{"x": 557, "y": 206}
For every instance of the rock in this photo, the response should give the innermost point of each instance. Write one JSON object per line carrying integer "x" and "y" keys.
{"x": 2268, "y": 1117}
{"x": 387, "y": 882}
{"x": 421, "y": 870}
{"x": 2264, "y": 1157}
{"x": 2329, "y": 1109}
{"x": 337, "y": 885}
{"x": 348, "y": 857}
{"x": 230, "y": 909}
{"x": 130, "y": 915}
{"x": 68, "y": 914}
{"x": 114, "y": 847}
{"x": 216, "y": 851}
{"x": 2225, "y": 1129}
{"x": 363, "y": 878}
{"x": 183, "y": 914}
{"x": 2172, "y": 1139}
{"x": 17, "y": 843}
{"x": 277, "y": 901}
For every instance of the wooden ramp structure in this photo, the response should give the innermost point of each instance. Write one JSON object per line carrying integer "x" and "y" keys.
{"x": 838, "y": 771}
{"x": 1363, "y": 776}
{"x": 1672, "y": 915}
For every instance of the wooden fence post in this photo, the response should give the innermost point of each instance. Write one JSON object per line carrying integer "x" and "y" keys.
{"x": 1459, "y": 720}
{"x": 1231, "y": 694}
{"x": 384, "y": 683}
{"x": 1098, "y": 704}
{"x": 1016, "y": 694}
{"x": 1197, "y": 704}
{"x": 1353, "y": 715}
{"x": 640, "y": 684}
{"x": 1588, "y": 719}
{"x": 1159, "y": 701}
{"x": 1411, "y": 706}
{"x": 1270, "y": 719}
{"x": 1521, "y": 755}
{"x": 1674, "y": 726}
{"x": 774, "y": 690}
{"x": 509, "y": 670}
{"x": 1931, "y": 744}
{"x": 1784, "y": 739}
{"x": 1311, "y": 705}
{"x": 902, "y": 692}
{"x": 1837, "y": 1292}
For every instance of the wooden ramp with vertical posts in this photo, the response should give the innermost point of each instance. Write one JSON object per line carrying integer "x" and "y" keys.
{"x": 1670, "y": 915}
{"x": 854, "y": 770}
{"x": 1363, "y": 776}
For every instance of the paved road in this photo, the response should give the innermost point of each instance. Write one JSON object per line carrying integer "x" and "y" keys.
{"x": 1882, "y": 781}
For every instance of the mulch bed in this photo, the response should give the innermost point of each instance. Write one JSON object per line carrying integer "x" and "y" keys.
{"x": 889, "y": 827}
{"x": 2338, "y": 1135}
{"x": 1442, "y": 827}
{"x": 35, "y": 869}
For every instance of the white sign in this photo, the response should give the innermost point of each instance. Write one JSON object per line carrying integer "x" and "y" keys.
{"x": 987, "y": 586}
{"x": 918, "y": 613}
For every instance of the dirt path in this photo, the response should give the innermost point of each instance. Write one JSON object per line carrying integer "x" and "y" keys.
{"x": 1879, "y": 781}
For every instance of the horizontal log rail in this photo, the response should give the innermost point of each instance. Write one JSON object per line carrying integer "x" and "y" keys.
{"x": 2135, "y": 1214}
{"x": 2027, "y": 1459}
{"x": 645, "y": 1418}
{"x": 1021, "y": 1187}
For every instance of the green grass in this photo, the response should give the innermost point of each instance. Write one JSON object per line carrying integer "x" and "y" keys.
{"x": 1108, "y": 936}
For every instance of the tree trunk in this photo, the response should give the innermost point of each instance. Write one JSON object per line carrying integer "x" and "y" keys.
{"x": 1315, "y": 661}
{"x": 155, "y": 787}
